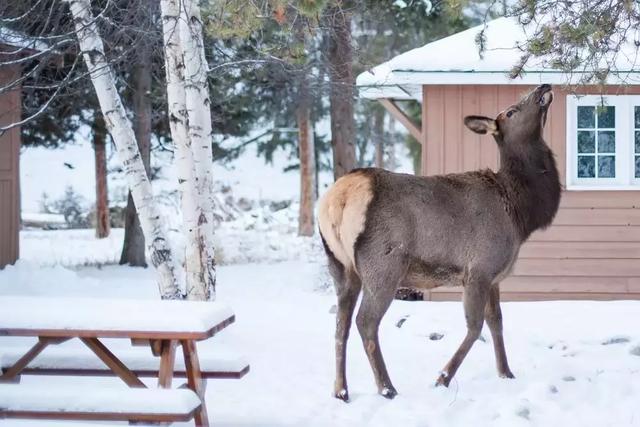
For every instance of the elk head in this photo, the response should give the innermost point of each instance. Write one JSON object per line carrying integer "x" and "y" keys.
{"x": 519, "y": 123}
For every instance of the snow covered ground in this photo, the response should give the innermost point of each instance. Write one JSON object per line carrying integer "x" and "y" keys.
{"x": 576, "y": 363}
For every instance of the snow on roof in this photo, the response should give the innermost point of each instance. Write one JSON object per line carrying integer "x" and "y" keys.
{"x": 19, "y": 40}
{"x": 456, "y": 60}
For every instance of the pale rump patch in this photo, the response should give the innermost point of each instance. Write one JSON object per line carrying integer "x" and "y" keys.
{"x": 342, "y": 213}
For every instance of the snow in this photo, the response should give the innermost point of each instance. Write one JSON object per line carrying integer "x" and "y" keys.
{"x": 456, "y": 60}
{"x": 17, "y": 39}
{"x": 576, "y": 363}
{"x": 91, "y": 399}
{"x": 43, "y": 247}
{"x": 43, "y": 218}
{"x": 115, "y": 315}
{"x": 71, "y": 356}
{"x": 51, "y": 171}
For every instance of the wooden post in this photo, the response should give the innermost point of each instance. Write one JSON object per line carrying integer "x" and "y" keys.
{"x": 194, "y": 379}
{"x": 110, "y": 359}
{"x": 414, "y": 129}
{"x": 167, "y": 363}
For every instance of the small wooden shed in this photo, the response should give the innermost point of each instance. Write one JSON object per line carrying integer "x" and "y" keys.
{"x": 10, "y": 112}
{"x": 592, "y": 250}
{"x": 13, "y": 45}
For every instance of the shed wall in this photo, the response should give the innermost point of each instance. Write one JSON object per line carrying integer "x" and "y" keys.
{"x": 592, "y": 249}
{"x": 10, "y": 112}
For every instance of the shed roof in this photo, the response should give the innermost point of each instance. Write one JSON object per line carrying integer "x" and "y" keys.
{"x": 456, "y": 60}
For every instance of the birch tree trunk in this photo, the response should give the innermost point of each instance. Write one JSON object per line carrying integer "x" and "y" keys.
{"x": 199, "y": 128}
{"x": 102, "y": 194}
{"x": 119, "y": 126}
{"x": 195, "y": 259}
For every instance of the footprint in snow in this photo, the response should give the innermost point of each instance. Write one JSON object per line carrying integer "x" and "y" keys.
{"x": 435, "y": 336}
{"x": 524, "y": 413}
{"x": 400, "y": 322}
{"x": 635, "y": 350}
{"x": 568, "y": 378}
{"x": 616, "y": 340}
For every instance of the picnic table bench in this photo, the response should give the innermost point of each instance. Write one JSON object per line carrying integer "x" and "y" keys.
{"x": 162, "y": 325}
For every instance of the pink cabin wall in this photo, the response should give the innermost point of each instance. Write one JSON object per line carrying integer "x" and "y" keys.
{"x": 592, "y": 250}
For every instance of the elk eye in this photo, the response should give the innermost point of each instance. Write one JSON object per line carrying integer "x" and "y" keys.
{"x": 509, "y": 113}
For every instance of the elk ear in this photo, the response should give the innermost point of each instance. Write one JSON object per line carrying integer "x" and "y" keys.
{"x": 481, "y": 124}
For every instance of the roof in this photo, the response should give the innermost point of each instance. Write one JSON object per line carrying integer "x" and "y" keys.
{"x": 456, "y": 60}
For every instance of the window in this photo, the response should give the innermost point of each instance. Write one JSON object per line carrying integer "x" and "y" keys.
{"x": 603, "y": 142}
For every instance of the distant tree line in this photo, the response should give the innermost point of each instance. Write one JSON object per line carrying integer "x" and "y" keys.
{"x": 280, "y": 66}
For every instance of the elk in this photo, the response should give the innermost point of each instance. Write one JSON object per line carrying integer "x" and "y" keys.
{"x": 383, "y": 230}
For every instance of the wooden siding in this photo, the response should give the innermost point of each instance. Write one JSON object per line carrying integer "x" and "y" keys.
{"x": 10, "y": 111}
{"x": 592, "y": 250}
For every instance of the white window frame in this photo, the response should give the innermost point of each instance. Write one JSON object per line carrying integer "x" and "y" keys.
{"x": 625, "y": 143}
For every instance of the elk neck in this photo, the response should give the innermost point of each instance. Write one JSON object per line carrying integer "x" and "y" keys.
{"x": 531, "y": 183}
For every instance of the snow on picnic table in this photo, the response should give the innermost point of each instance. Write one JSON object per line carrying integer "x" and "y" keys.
{"x": 576, "y": 363}
{"x": 116, "y": 315}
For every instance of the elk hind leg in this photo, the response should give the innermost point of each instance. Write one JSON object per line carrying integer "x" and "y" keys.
{"x": 474, "y": 300}
{"x": 380, "y": 282}
{"x": 348, "y": 287}
{"x": 493, "y": 317}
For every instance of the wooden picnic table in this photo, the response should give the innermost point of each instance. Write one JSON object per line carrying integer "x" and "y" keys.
{"x": 162, "y": 324}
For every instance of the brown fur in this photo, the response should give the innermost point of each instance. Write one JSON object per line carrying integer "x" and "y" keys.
{"x": 384, "y": 230}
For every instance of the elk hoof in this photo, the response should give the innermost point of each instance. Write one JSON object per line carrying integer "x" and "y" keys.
{"x": 388, "y": 392}
{"x": 507, "y": 374}
{"x": 342, "y": 394}
{"x": 443, "y": 379}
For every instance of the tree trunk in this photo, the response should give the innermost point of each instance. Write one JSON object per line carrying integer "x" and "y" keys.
{"x": 378, "y": 135}
{"x": 391, "y": 145}
{"x": 102, "y": 195}
{"x": 199, "y": 127}
{"x": 195, "y": 263}
{"x": 341, "y": 95}
{"x": 133, "y": 248}
{"x": 119, "y": 126}
{"x": 307, "y": 165}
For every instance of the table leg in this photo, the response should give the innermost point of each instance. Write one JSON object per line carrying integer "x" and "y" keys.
{"x": 110, "y": 359}
{"x": 21, "y": 363}
{"x": 194, "y": 379}
{"x": 167, "y": 363}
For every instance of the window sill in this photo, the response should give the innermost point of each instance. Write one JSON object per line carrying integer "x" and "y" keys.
{"x": 577, "y": 187}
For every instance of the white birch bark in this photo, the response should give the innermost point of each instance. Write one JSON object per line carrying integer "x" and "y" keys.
{"x": 195, "y": 262}
{"x": 119, "y": 126}
{"x": 199, "y": 128}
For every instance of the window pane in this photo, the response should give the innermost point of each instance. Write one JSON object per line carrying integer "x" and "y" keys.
{"x": 586, "y": 167}
{"x": 606, "y": 167}
{"x": 637, "y": 117}
{"x": 606, "y": 141}
{"x": 586, "y": 117}
{"x": 606, "y": 117}
{"x": 586, "y": 141}
{"x": 637, "y": 167}
{"x": 638, "y": 142}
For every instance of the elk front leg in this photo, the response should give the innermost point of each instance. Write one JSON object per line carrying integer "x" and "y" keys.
{"x": 348, "y": 290}
{"x": 493, "y": 317}
{"x": 372, "y": 309}
{"x": 474, "y": 300}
